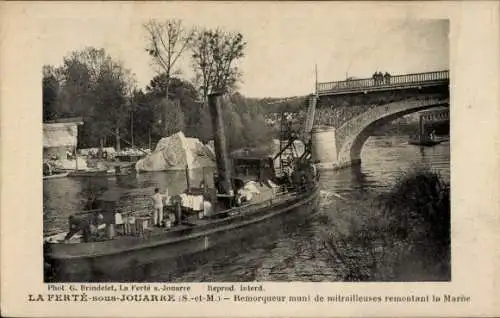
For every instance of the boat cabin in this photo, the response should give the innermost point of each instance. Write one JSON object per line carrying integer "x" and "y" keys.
{"x": 252, "y": 166}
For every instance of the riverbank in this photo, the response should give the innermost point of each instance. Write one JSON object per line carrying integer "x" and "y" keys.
{"x": 401, "y": 235}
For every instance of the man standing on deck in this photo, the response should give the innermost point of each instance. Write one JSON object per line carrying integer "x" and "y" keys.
{"x": 157, "y": 208}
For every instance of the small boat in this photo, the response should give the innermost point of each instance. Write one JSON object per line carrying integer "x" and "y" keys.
{"x": 50, "y": 172}
{"x": 132, "y": 158}
{"x": 427, "y": 142}
{"x": 88, "y": 173}
{"x": 245, "y": 200}
{"x": 124, "y": 163}
{"x": 422, "y": 139}
{"x": 56, "y": 175}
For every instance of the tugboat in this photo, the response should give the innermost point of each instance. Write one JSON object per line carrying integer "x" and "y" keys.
{"x": 247, "y": 198}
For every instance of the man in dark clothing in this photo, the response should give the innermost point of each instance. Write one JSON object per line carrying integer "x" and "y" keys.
{"x": 79, "y": 224}
{"x": 387, "y": 78}
{"x": 92, "y": 203}
{"x": 85, "y": 224}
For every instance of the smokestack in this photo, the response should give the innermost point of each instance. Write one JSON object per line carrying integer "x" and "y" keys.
{"x": 221, "y": 156}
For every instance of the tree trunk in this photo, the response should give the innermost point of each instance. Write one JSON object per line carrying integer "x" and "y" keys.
{"x": 117, "y": 135}
{"x": 132, "y": 128}
{"x": 165, "y": 110}
{"x": 149, "y": 139}
{"x": 101, "y": 146}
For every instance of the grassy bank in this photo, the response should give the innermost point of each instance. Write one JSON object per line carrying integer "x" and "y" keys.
{"x": 403, "y": 235}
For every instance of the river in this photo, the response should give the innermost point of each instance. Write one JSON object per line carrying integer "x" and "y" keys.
{"x": 295, "y": 255}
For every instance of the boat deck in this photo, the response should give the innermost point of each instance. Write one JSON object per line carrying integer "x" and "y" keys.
{"x": 157, "y": 236}
{"x": 142, "y": 225}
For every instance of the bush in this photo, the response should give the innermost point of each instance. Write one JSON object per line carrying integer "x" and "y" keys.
{"x": 403, "y": 235}
{"x": 419, "y": 200}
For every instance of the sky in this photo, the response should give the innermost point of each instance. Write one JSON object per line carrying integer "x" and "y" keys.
{"x": 284, "y": 40}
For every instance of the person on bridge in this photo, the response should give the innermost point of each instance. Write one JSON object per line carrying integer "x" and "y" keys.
{"x": 387, "y": 78}
{"x": 378, "y": 78}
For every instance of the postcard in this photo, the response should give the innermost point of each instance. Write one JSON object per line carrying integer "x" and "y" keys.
{"x": 249, "y": 159}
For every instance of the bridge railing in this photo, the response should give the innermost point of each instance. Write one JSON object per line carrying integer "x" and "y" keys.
{"x": 398, "y": 80}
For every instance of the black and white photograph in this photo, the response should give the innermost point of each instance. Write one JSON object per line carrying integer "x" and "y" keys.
{"x": 249, "y": 158}
{"x": 191, "y": 148}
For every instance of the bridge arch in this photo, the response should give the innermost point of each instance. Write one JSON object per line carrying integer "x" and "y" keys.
{"x": 352, "y": 135}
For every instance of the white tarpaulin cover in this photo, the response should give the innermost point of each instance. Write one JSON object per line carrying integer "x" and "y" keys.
{"x": 175, "y": 152}
{"x": 60, "y": 135}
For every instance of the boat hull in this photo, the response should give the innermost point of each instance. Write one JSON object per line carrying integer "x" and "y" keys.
{"x": 426, "y": 143}
{"x": 87, "y": 173}
{"x": 56, "y": 176}
{"x": 144, "y": 263}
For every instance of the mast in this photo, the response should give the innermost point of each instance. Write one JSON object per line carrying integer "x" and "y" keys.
{"x": 315, "y": 79}
{"x": 221, "y": 156}
{"x": 132, "y": 127}
{"x": 165, "y": 116}
{"x": 188, "y": 181}
{"x": 76, "y": 159}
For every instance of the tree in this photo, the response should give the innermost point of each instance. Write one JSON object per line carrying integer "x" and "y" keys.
{"x": 174, "y": 118}
{"x": 202, "y": 129}
{"x": 142, "y": 118}
{"x": 167, "y": 41}
{"x": 98, "y": 88}
{"x": 180, "y": 91}
{"x": 50, "y": 92}
{"x": 113, "y": 92}
{"x": 214, "y": 54}
{"x": 233, "y": 128}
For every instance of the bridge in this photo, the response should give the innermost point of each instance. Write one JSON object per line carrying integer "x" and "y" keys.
{"x": 365, "y": 85}
{"x": 347, "y": 112}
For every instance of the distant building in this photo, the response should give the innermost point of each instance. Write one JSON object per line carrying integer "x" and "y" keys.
{"x": 60, "y": 137}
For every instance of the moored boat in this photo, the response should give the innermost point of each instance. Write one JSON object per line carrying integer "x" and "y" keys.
{"x": 428, "y": 142}
{"x": 423, "y": 139}
{"x": 87, "y": 173}
{"x": 245, "y": 198}
{"x": 132, "y": 158}
{"x": 56, "y": 175}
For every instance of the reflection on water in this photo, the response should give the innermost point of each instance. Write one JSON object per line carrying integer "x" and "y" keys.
{"x": 293, "y": 254}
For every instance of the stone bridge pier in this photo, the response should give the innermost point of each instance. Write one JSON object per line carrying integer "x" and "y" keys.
{"x": 335, "y": 148}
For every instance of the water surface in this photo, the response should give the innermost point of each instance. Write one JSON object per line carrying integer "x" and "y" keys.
{"x": 296, "y": 255}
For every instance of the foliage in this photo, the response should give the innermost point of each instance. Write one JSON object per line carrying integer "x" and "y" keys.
{"x": 167, "y": 41}
{"x": 143, "y": 119}
{"x": 50, "y": 92}
{"x": 402, "y": 235}
{"x": 419, "y": 201}
{"x": 200, "y": 125}
{"x": 214, "y": 54}
{"x": 94, "y": 86}
{"x": 91, "y": 84}
{"x": 174, "y": 118}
